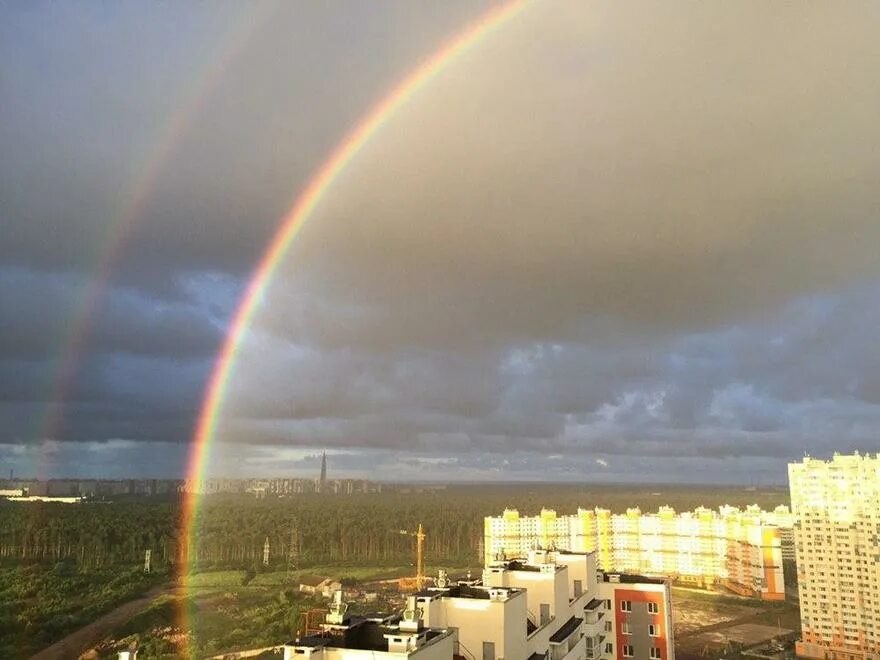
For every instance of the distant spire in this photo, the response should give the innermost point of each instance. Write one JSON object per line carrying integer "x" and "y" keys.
{"x": 323, "y": 480}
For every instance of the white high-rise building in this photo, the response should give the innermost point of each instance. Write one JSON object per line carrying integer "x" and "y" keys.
{"x": 551, "y": 606}
{"x": 740, "y": 548}
{"x": 837, "y": 538}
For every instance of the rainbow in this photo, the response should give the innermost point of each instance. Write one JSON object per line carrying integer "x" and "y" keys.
{"x": 293, "y": 222}
{"x": 135, "y": 201}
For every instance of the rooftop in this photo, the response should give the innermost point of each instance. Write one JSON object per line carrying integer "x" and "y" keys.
{"x": 630, "y": 578}
{"x": 519, "y": 565}
{"x": 362, "y": 634}
{"x": 464, "y": 591}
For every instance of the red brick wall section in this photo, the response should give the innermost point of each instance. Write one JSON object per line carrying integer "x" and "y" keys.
{"x": 658, "y": 619}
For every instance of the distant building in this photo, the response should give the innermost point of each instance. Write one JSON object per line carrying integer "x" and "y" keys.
{"x": 278, "y": 486}
{"x": 742, "y": 549}
{"x": 837, "y": 538}
{"x": 319, "y": 586}
{"x": 322, "y": 482}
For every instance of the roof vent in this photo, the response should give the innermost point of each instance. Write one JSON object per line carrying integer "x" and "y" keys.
{"x": 412, "y": 616}
{"x": 337, "y": 608}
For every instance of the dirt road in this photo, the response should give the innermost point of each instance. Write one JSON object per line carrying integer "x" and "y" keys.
{"x": 80, "y": 640}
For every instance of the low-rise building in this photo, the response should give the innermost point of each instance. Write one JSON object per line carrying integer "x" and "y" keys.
{"x": 317, "y": 585}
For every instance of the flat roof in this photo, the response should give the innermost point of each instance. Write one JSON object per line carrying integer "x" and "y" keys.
{"x": 631, "y": 578}
{"x": 519, "y": 565}
{"x": 566, "y": 630}
{"x": 361, "y": 634}
{"x": 464, "y": 591}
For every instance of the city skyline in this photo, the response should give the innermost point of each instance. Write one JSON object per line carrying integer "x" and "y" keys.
{"x": 647, "y": 250}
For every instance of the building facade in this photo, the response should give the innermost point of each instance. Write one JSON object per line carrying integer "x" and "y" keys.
{"x": 742, "y": 549}
{"x": 837, "y": 540}
{"x": 640, "y": 614}
{"x": 555, "y": 605}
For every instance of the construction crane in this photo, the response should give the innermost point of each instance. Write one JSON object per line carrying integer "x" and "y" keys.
{"x": 418, "y": 582}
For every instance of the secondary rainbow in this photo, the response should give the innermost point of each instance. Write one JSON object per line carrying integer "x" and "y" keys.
{"x": 293, "y": 222}
{"x": 135, "y": 200}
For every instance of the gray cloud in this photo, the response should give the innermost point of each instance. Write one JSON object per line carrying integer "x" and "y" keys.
{"x": 605, "y": 232}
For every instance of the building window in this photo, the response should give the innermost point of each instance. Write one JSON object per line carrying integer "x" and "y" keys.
{"x": 626, "y": 606}
{"x": 653, "y": 630}
{"x": 628, "y": 651}
{"x": 609, "y": 647}
{"x": 655, "y": 652}
{"x": 625, "y": 628}
{"x": 653, "y": 608}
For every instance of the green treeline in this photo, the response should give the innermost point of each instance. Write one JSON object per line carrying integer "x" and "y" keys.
{"x": 230, "y": 531}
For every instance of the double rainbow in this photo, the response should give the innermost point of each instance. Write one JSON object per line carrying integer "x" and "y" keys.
{"x": 290, "y": 227}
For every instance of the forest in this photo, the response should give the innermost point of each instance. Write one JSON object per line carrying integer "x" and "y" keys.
{"x": 230, "y": 531}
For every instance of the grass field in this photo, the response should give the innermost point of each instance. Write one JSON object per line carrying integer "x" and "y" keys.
{"x": 227, "y": 615}
{"x": 41, "y": 603}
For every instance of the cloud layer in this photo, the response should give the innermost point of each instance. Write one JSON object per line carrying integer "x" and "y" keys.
{"x": 649, "y": 243}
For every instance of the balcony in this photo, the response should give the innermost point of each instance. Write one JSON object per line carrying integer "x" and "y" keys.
{"x": 595, "y": 629}
{"x": 594, "y": 616}
{"x": 593, "y": 652}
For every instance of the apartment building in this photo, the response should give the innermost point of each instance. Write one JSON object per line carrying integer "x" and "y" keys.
{"x": 837, "y": 540}
{"x": 557, "y": 605}
{"x": 554, "y": 605}
{"x": 742, "y": 549}
{"x": 343, "y": 636}
{"x": 640, "y": 616}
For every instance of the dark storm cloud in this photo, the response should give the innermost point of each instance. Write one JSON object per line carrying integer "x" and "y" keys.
{"x": 774, "y": 388}
{"x": 638, "y": 235}
{"x": 172, "y": 138}
{"x": 668, "y": 183}
{"x": 210, "y": 118}
{"x": 39, "y": 313}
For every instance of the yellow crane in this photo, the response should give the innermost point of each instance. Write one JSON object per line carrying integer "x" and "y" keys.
{"x": 418, "y": 582}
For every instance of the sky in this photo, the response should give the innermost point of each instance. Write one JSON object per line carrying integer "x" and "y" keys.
{"x": 612, "y": 242}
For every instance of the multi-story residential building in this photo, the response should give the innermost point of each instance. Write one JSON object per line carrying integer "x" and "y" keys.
{"x": 640, "y": 614}
{"x": 399, "y": 637}
{"x": 554, "y": 606}
{"x": 742, "y": 549}
{"x": 837, "y": 539}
